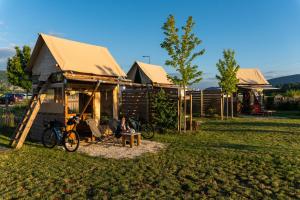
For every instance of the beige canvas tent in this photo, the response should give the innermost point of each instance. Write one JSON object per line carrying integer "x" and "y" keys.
{"x": 148, "y": 74}
{"x": 251, "y": 85}
{"x": 251, "y": 76}
{"x": 72, "y": 70}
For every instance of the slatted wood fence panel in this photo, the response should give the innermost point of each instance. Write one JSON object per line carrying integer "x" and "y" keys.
{"x": 137, "y": 101}
{"x": 211, "y": 103}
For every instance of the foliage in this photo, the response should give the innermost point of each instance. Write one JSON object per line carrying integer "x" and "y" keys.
{"x": 16, "y": 65}
{"x": 234, "y": 159}
{"x": 3, "y": 88}
{"x": 7, "y": 120}
{"x": 165, "y": 113}
{"x": 292, "y": 93}
{"x": 180, "y": 49}
{"x": 228, "y": 68}
{"x": 182, "y": 53}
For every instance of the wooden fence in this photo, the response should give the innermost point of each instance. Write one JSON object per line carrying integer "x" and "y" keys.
{"x": 136, "y": 101}
{"x": 208, "y": 103}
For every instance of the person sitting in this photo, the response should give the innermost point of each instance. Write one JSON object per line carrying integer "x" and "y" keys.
{"x": 122, "y": 128}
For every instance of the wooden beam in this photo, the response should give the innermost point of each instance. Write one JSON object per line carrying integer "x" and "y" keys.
{"x": 30, "y": 121}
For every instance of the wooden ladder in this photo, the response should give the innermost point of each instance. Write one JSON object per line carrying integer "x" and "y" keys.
{"x": 20, "y": 134}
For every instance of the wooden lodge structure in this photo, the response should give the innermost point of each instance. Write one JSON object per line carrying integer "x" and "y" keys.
{"x": 72, "y": 71}
{"x": 145, "y": 73}
{"x": 250, "y": 96}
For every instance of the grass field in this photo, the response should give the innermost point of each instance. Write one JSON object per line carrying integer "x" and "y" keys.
{"x": 240, "y": 158}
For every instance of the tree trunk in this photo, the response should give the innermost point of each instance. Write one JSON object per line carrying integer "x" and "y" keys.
{"x": 179, "y": 111}
{"x": 227, "y": 106}
{"x": 231, "y": 105}
{"x": 184, "y": 110}
{"x": 222, "y": 106}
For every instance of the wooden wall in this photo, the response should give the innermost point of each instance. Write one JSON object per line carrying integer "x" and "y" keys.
{"x": 37, "y": 128}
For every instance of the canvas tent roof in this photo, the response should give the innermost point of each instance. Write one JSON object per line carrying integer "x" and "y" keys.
{"x": 251, "y": 76}
{"x": 78, "y": 57}
{"x": 148, "y": 73}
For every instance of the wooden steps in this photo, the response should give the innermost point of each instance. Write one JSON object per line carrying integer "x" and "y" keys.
{"x": 20, "y": 134}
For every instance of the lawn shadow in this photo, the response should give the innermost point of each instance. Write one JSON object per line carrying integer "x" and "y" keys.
{"x": 255, "y": 123}
{"x": 242, "y": 147}
{"x": 242, "y": 130}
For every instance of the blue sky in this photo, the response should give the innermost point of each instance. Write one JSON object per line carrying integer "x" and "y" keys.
{"x": 264, "y": 33}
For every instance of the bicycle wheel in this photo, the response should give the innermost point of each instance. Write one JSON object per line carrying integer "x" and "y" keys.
{"x": 147, "y": 131}
{"x": 71, "y": 141}
{"x": 49, "y": 139}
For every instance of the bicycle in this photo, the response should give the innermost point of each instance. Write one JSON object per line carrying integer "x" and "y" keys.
{"x": 147, "y": 130}
{"x": 55, "y": 133}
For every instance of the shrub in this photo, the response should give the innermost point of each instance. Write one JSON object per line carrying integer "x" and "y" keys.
{"x": 165, "y": 113}
{"x": 293, "y": 93}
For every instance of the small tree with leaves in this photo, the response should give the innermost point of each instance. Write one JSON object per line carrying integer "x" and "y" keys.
{"x": 165, "y": 114}
{"x": 182, "y": 53}
{"x": 16, "y": 65}
{"x": 228, "y": 81}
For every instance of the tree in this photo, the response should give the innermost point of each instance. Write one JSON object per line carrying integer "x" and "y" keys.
{"x": 228, "y": 81}
{"x": 182, "y": 52}
{"x": 16, "y": 65}
{"x": 164, "y": 111}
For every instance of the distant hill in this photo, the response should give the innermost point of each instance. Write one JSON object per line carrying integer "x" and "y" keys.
{"x": 285, "y": 80}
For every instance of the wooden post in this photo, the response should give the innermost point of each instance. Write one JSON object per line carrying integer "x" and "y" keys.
{"x": 179, "y": 111}
{"x": 115, "y": 103}
{"x": 65, "y": 107}
{"x": 222, "y": 106}
{"x": 232, "y": 105}
{"x": 227, "y": 105}
{"x": 191, "y": 112}
{"x": 96, "y": 106}
{"x": 184, "y": 108}
{"x": 201, "y": 104}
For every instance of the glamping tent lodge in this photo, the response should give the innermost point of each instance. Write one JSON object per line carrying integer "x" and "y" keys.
{"x": 144, "y": 73}
{"x": 251, "y": 85}
{"x": 77, "y": 78}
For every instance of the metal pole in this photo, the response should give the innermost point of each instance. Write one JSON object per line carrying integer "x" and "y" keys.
{"x": 149, "y": 59}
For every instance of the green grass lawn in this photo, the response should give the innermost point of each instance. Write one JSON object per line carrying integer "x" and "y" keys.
{"x": 240, "y": 158}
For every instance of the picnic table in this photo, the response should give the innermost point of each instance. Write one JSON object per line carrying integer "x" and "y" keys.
{"x": 268, "y": 113}
{"x": 131, "y": 137}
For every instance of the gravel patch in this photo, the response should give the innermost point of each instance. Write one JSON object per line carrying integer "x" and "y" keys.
{"x": 117, "y": 151}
